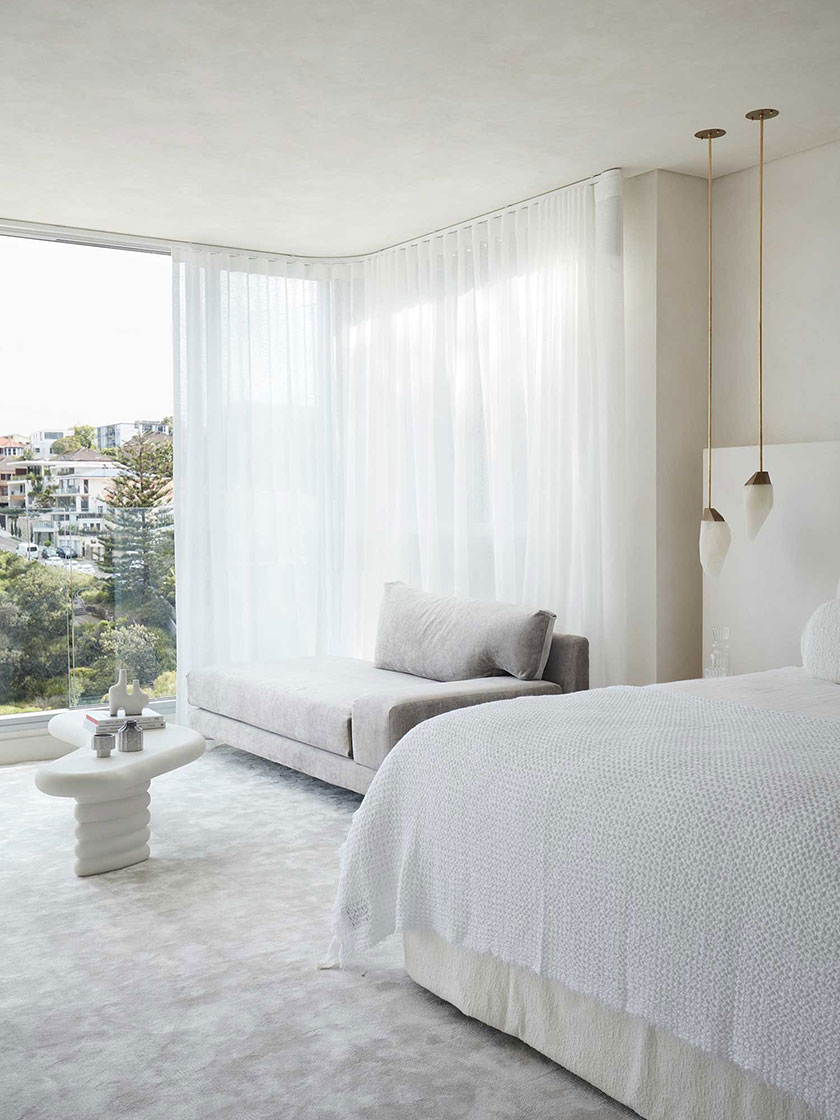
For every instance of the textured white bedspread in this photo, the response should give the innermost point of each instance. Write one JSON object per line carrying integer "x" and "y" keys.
{"x": 675, "y": 857}
{"x": 776, "y": 690}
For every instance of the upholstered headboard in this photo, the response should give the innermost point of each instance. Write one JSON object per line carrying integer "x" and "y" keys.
{"x": 568, "y": 662}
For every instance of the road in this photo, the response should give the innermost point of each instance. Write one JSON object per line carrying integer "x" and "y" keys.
{"x": 9, "y": 544}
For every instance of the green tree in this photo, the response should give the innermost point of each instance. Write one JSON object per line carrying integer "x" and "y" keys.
{"x": 38, "y": 609}
{"x": 139, "y": 544}
{"x": 145, "y": 478}
{"x": 137, "y": 649}
{"x": 64, "y": 445}
{"x": 55, "y": 651}
{"x": 86, "y": 435}
{"x": 82, "y": 436}
{"x": 41, "y": 491}
{"x": 139, "y": 555}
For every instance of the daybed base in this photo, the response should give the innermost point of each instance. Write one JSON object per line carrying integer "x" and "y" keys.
{"x": 333, "y": 768}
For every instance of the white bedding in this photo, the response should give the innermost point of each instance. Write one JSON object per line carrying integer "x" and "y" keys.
{"x": 778, "y": 690}
{"x": 676, "y": 857}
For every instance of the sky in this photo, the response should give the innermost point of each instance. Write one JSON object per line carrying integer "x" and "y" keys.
{"x": 85, "y": 335}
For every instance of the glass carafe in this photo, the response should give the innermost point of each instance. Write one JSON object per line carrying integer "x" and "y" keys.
{"x": 718, "y": 664}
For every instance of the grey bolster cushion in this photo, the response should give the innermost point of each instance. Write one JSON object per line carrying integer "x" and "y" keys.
{"x": 448, "y": 639}
{"x": 380, "y": 721}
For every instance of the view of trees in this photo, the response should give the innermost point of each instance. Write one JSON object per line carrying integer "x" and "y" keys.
{"x": 41, "y": 492}
{"x": 63, "y": 633}
{"x": 84, "y": 435}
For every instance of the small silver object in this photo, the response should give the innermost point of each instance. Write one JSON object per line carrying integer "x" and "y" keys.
{"x": 103, "y": 742}
{"x": 131, "y": 736}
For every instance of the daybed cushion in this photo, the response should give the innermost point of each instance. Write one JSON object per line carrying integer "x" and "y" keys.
{"x": 380, "y": 719}
{"x": 449, "y": 639}
{"x": 305, "y": 698}
{"x": 340, "y": 704}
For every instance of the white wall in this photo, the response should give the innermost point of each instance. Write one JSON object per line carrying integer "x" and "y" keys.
{"x": 665, "y": 287}
{"x": 665, "y": 292}
{"x": 640, "y": 228}
{"x": 769, "y": 587}
{"x": 801, "y": 299}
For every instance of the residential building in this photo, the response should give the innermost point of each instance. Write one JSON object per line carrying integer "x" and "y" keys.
{"x": 115, "y": 435}
{"x": 12, "y": 486}
{"x": 81, "y": 480}
{"x": 160, "y": 427}
{"x": 40, "y": 442}
{"x": 18, "y": 478}
{"x": 12, "y": 446}
{"x": 57, "y": 500}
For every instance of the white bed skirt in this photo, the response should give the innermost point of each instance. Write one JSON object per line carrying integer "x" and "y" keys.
{"x": 650, "y": 1071}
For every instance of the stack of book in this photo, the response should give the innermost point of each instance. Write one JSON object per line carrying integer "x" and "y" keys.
{"x": 102, "y": 721}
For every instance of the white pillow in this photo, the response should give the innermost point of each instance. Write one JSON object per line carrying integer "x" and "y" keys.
{"x": 821, "y": 642}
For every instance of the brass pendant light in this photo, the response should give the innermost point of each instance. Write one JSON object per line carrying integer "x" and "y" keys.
{"x": 758, "y": 489}
{"x": 715, "y": 534}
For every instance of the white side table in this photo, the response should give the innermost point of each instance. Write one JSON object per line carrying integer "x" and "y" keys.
{"x": 112, "y": 794}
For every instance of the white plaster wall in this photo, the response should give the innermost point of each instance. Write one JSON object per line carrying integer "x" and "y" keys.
{"x": 769, "y": 587}
{"x": 640, "y": 228}
{"x": 665, "y": 286}
{"x": 680, "y": 421}
{"x": 801, "y": 299}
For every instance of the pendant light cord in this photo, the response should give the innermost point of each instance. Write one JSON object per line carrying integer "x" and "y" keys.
{"x": 709, "y": 378}
{"x": 761, "y": 297}
{"x": 709, "y": 134}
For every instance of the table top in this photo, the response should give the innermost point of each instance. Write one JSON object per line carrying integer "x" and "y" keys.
{"x": 81, "y": 771}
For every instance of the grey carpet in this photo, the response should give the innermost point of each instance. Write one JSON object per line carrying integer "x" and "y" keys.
{"x": 185, "y": 987}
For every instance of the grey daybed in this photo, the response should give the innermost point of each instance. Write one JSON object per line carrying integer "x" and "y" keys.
{"x": 336, "y": 718}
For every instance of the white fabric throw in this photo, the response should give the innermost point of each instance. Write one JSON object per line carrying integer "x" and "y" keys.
{"x": 674, "y": 857}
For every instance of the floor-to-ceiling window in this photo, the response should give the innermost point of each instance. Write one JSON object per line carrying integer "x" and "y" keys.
{"x": 87, "y": 572}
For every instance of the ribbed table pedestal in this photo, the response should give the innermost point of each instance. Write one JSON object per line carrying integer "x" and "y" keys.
{"x": 114, "y": 833}
{"x": 112, "y": 792}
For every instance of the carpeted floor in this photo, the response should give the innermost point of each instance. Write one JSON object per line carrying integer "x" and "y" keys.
{"x": 186, "y": 986}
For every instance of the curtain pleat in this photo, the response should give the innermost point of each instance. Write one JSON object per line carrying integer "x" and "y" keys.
{"x": 448, "y": 412}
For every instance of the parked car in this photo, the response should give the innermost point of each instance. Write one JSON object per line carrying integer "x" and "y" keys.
{"x": 28, "y": 551}
{"x": 66, "y": 552}
{"x": 47, "y": 551}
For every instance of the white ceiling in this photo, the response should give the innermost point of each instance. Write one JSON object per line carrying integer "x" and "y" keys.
{"x": 341, "y": 126}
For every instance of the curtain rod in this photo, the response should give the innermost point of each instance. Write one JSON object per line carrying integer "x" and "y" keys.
{"x": 108, "y": 239}
{"x": 490, "y": 213}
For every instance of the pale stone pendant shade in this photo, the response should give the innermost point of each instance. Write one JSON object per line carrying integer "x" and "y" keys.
{"x": 758, "y": 501}
{"x": 715, "y": 534}
{"x": 715, "y": 538}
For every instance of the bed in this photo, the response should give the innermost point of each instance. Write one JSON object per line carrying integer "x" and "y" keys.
{"x": 641, "y": 883}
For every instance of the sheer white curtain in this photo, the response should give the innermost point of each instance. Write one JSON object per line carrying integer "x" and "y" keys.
{"x": 449, "y": 412}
